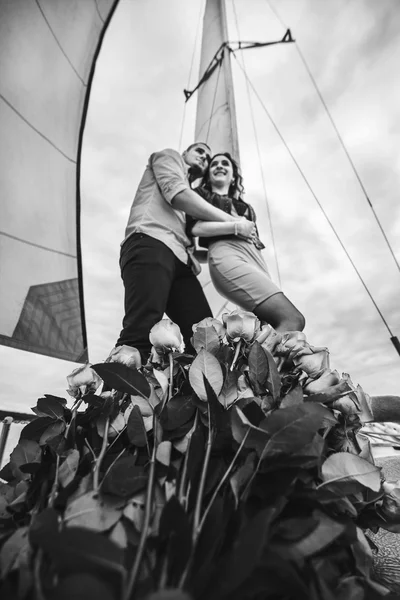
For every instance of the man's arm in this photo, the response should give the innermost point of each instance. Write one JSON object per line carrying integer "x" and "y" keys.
{"x": 171, "y": 179}
{"x": 242, "y": 228}
{"x": 195, "y": 206}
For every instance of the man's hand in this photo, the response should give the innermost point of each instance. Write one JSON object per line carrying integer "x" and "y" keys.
{"x": 246, "y": 229}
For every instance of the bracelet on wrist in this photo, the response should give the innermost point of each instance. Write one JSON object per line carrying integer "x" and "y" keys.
{"x": 235, "y": 230}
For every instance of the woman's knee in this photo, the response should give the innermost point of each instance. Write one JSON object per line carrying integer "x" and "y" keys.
{"x": 299, "y": 321}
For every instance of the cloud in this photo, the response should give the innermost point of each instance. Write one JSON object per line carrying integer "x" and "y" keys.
{"x": 136, "y": 107}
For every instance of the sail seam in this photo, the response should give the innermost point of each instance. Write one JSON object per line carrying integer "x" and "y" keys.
{"x": 14, "y": 237}
{"x": 98, "y": 11}
{"x": 58, "y": 43}
{"x": 21, "y": 116}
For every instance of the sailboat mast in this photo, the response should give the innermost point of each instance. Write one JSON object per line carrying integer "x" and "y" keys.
{"x": 216, "y": 122}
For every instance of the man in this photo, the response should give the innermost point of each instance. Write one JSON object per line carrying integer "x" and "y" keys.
{"x": 155, "y": 264}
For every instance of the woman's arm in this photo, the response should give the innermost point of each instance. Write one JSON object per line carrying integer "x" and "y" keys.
{"x": 242, "y": 228}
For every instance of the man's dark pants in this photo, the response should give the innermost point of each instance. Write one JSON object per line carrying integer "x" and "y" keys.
{"x": 157, "y": 282}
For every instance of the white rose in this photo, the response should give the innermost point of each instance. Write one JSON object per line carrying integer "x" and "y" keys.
{"x": 241, "y": 325}
{"x": 166, "y": 336}
{"x": 83, "y": 380}
{"x": 126, "y": 355}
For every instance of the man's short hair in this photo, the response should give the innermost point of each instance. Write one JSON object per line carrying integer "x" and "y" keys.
{"x": 197, "y": 144}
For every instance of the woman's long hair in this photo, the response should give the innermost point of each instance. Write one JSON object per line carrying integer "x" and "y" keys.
{"x": 236, "y": 189}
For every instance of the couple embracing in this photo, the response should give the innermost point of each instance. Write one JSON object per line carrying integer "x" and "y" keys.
{"x": 156, "y": 254}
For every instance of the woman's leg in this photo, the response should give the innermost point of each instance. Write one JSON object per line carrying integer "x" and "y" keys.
{"x": 280, "y": 313}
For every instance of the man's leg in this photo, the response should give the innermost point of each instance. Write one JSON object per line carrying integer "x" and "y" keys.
{"x": 187, "y": 303}
{"x": 147, "y": 270}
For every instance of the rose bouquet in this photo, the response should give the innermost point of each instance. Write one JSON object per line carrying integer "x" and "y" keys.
{"x": 237, "y": 473}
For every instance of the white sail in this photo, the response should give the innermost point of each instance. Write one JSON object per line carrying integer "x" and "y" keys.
{"x": 216, "y": 114}
{"x": 47, "y": 55}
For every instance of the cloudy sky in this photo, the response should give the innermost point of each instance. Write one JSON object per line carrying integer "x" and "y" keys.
{"x": 136, "y": 107}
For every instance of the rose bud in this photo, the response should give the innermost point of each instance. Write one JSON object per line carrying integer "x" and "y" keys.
{"x": 314, "y": 361}
{"x": 347, "y": 405}
{"x": 318, "y": 386}
{"x": 391, "y": 502}
{"x": 83, "y": 380}
{"x": 292, "y": 343}
{"x": 166, "y": 336}
{"x": 241, "y": 325}
{"x": 269, "y": 338}
{"x": 126, "y": 355}
{"x": 211, "y": 322}
{"x": 208, "y": 334}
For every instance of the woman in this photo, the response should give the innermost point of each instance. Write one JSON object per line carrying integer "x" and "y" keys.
{"x": 237, "y": 268}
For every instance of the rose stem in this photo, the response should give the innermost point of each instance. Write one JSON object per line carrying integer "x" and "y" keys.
{"x": 146, "y": 521}
{"x": 96, "y": 472}
{"x": 237, "y": 350}
{"x": 224, "y": 478}
{"x": 181, "y": 496}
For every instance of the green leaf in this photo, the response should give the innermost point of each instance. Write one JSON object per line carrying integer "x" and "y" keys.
{"x": 42, "y": 525}
{"x": 77, "y": 548}
{"x": 342, "y": 467}
{"x": 321, "y": 536}
{"x": 51, "y": 406}
{"x": 125, "y": 478}
{"x": 258, "y": 367}
{"x": 7, "y": 495}
{"x": 91, "y": 511}
{"x": 69, "y": 467}
{"x": 175, "y": 537}
{"x": 163, "y": 454}
{"x": 247, "y": 550}
{"x": 196, "y": 450}
{"x": 170, "y": 594}
{"x": 290, "y": 429}
{"x": 294, "y": 397}
{"x": 256, "y": 437}
{"x": 273, "y": 383}
{"x": 35, "y": 429}
{"x": 206, "y": 338}
{"x": 205, "y": 364}
{"x": 179, "y": 432}
{"x": 12, "y": 550}
{"x": 135, "y": 428}
{"x": 124, "y": 379}
{"x": 242, "y": 476}
{"x": 27, "y": 451}
{"x": 54, "y": 430}
{"x": 215, "y": 408}
{"x": 229, "y": 392}
{"x": 178, "y": 411}
{"x": 81, "y": 586}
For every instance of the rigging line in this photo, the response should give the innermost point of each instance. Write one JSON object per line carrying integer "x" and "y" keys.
{"x": 190, "y": 73}
{"x": 36, "y": 130}
{"x": 58, "y": 43}
{"x": 259, "y": 155}
{"x": 213, "y": 102}
{"x": 14, "y": 237}
{"x": 318, "y": 202}
{"x": 341, "y": 141}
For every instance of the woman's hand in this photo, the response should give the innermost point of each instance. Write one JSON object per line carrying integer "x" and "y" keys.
{"x": 246, "y": 229}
